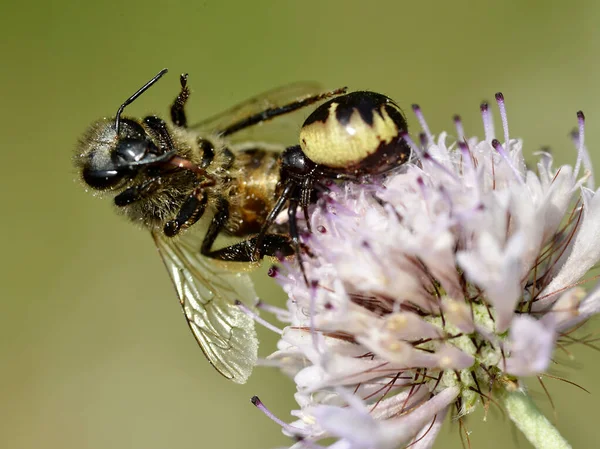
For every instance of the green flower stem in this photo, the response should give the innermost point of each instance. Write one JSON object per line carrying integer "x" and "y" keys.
{"x": 535, "y": 426}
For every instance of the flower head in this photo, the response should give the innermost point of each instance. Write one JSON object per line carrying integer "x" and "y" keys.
{"x": 437, "y": 288}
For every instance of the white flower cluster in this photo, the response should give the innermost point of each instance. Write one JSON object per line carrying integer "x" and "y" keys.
{"x": 436, "y": 289}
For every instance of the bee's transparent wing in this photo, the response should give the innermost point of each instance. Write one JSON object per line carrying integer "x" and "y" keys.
{"x": 207, "y": 294}
{"x": 284, "y": 128}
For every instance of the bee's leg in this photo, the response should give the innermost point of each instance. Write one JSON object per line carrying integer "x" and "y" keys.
{"x": 208, "y": 151}
{"x": 136, "y": 192}
{"x": 273, "y": 112}
{"x": 276, "y": 245}
{"x": 190, "y": 212}
{"x": 159, "y": 127}
{"x": 178, "y": 107}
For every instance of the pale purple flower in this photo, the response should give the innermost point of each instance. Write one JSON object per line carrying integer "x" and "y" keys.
{"x": 436, "y": 288}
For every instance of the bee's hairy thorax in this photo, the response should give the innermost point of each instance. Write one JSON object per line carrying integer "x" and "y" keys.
{"x": 246, "y": 180}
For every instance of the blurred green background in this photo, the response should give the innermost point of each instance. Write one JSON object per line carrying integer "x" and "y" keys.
{"x": 95, "y": 352}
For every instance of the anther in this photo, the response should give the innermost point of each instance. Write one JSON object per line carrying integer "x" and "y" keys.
{"x": 503, "y": 117}
{"x": 417, "y": 110}
{"x": 460, "y": 130}
{"x": 488, "y": 122}
{"x": 464, "y": 149}
{"x": 423, "y": 140}
{"x": 287, "y": 427}
{"x": 500, "y": 149}
{"x": 466, "y": 155}
{"x": 580, "y": 141}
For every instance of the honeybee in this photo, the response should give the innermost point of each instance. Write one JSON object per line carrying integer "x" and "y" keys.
{"x": 168, "y": 176}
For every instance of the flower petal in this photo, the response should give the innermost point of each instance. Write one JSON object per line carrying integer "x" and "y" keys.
{"x": 530, "y": 346}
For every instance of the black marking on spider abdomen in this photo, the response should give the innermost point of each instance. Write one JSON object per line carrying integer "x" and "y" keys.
{"x": 366, "y": 103}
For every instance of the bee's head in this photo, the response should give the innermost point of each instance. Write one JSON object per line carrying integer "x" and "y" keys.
{"x": 114, "y": 151}
{"x": 107, "y": 161}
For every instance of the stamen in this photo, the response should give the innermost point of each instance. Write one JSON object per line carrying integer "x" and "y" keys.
{"x": 460, "y": 130}
{"x": 411, "y": 144}
{"x": 466, "y": 154}
{"x": 579, "y": 145}
{"x": 500, "y": 149}
{"x": 574, "y": 134}
{"x": 417, "y": 110}
{"x": 423, "y": 189}
{"x": 269, "y": 308}
{"x": 423, "y": 140}
{"x": 469, "y": 170}
{"x": 447, "y": 199}
{"x": 502, "y": 107}
{"x": 313, "y": 310}
{"x": 582, "y": 153}
{"x": 273, "y": 271}
{"x": 488, "y": 122}
{"x": 581, "y": 123}
{"x": 428, "y": 157}
{"x": 287, "y": 427}
{"x": 257, "y": 318}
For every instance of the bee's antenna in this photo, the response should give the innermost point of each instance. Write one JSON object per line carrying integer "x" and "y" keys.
{"x": 131, "y": 99}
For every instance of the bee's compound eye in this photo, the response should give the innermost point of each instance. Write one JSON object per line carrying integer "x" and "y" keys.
{"x": 131, "y": 150}
{"x": 102, "y": 179}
